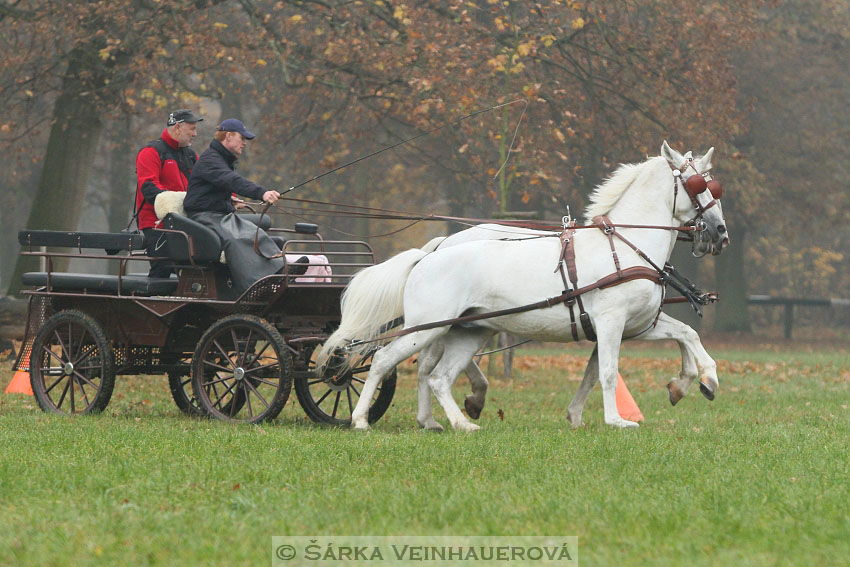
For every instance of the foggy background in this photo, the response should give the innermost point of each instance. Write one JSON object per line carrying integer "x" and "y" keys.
{"x": 87, "y": 84}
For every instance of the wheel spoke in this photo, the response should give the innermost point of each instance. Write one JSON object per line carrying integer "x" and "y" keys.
{"x": 62, "y": 397}
{"x": 84, "y": 353}
{"x": 266, "y": 382}
{"x": 47, "y": 391}
{"x": 323, "y": 397}
{"x": 85, "y": 397}
{"x": 361, "y": 369}
{"x": 214, "y": 382}
{"x": 254, "y": 369}
{"x": 262, "y": 351}
{"x": 62, "y": 344}
{"x": 86, "y": 380}
{"x": 233, "y": 401}
{"x": 229, "y": 390}
{"x": 73, "y": 405}
{"x": 336, "y": 403}
{"x": 355, "y": 389}
{"x": 350, "y": 406}
{"x": 248, "y": 400}
{"x": 53, "y": 354}
{"x": 253, "y": 389}
{"x": 217, "y": 367}
{"x": 316, "y": 381}
{"x": 223, "y": 353}
{"x": 71, "y": 355}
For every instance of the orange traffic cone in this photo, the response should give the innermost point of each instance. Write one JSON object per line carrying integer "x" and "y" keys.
{"x": 626, "y": 405}
{"x": 20, "y": 383}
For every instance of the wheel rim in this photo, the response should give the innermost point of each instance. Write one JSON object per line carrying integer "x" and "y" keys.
{"x": 241, "y": 373}
{"x": 70, "y": 367}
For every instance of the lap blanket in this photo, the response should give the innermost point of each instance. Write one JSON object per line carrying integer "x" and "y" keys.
{"x": 237, "y": 242}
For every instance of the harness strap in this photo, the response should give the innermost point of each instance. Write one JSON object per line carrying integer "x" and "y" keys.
{"x": 568, "y": 258}
{"x": 629, "y": 274}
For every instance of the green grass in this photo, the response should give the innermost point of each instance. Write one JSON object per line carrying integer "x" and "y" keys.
{"x": 761, "y": 476}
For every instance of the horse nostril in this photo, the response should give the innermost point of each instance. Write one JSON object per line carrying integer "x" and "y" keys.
{"x": 721, "y": 229}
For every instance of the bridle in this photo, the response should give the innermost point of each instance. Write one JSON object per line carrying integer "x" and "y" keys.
{"x": 694, "y": 186}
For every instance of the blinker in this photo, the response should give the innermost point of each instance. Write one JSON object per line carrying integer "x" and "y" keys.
{"x": 715, "y": 188}
{"x": 695, "y": 185}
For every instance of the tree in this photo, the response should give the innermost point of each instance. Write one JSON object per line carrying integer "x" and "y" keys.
{"x": 90, "y": 58}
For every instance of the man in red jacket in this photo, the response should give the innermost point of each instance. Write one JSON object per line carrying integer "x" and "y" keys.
{"x": 164, "y": 164}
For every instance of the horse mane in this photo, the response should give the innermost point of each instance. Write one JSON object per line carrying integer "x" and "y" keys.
{"x": 607, "y": 193}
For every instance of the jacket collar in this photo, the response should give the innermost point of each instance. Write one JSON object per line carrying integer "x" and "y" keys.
{"x": 168, "y": 139}
{"x": 228, "y": 156}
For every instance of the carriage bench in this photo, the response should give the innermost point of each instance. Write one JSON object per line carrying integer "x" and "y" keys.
{"x": 111, "y": 244}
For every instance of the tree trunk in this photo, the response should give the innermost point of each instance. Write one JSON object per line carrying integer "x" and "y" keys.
{"x": 732, "y": 310}
{"x": 64, "y": 178}
{"x": 122, "y": 184}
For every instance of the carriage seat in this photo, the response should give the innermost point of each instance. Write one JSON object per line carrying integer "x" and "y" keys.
{"x": 133, "y": 284}
{"x": 206, "y": 245}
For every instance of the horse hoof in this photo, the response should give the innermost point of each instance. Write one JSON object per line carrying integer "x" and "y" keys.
{"x": 360, "y": 425}
{"x": 467, "y": 427}
{"x": 575, "y": 419}
{"x": 623, "y": 423}
{"x": 432, "y": 425}
{"x": 706, "y": 391}
{"x": 472, "y": 410}
{"x": 674, "y": 392}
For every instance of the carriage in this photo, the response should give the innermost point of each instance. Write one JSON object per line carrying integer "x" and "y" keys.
{"x": 231, "y": 356}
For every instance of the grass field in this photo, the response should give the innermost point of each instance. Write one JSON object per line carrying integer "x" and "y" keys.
{"x": 760, "y": 476}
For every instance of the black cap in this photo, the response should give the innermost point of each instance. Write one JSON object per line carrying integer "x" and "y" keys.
{"x": 234, "y": 125}
{"x": 183, "y": 115}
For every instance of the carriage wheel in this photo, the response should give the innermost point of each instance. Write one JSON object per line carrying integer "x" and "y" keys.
{"x": 331, "y": 398}
{"x": 180, "y": 386}
{"x": 72, "y": 367}
{"x": 242, "y": 370}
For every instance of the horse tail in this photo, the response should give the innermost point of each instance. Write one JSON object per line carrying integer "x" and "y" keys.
{"x": 432, "y": 244}
{"x": 373, "y": 298}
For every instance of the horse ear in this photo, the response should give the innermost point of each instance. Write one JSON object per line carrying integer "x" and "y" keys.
{"x": 705, "y": 161}
{"x": 674, "y": 158}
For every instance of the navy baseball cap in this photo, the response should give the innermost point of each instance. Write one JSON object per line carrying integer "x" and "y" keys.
{"x": 183, "y": 115}
{"x": 234, "y": 125}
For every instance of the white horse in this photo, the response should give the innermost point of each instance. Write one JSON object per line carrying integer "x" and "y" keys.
{"x": 689, "y": 344}
{"x": 485, "y": 276}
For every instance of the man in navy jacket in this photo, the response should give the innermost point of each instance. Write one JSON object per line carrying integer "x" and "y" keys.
{"x": 210, "y": 201}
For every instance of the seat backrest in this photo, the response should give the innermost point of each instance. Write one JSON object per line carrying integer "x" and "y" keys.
{"x": 206, "y": 243}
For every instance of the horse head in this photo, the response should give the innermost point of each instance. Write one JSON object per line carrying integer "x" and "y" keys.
{"x": 697, "y": 199}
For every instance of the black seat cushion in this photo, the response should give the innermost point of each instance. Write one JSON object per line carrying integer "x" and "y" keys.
{"x": 206, "y": 245}
{"x": 102, "y": 283}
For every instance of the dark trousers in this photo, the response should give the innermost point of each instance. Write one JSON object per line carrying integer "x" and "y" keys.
{"x": 155, "y": 247}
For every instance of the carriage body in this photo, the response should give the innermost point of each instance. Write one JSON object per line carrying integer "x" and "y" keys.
{"x": 218, "y": 348}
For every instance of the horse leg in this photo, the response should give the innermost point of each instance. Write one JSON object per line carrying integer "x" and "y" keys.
{"x": 383, "y": 362}
{"x": 695, "y": 359}
{"x": 591, "y": 376}
{"x": 428, "y": 359}
{"x": 456, "y": 357}
{"x": 474, "y": 403}
{"x": 610, "y": 333}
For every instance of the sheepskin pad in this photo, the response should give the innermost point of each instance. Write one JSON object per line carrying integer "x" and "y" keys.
{"x": 169, "y": 202}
